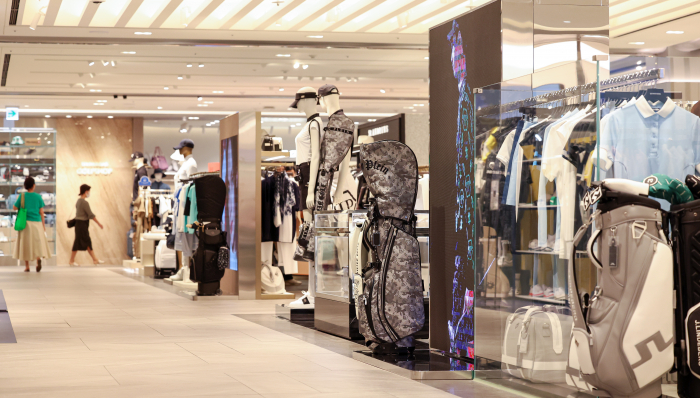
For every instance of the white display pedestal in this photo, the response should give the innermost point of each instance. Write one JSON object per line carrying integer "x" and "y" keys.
{"x": 148, "y": 246}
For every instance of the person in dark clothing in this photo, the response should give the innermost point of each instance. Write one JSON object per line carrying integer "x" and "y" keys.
{"x": 83, "y": 215}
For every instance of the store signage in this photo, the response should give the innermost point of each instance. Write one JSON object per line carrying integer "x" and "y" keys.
{"x": 94, "y": 169}
{"x": 144, "y": 182}
{"x": 378, "y": 130}
{"x": 11, "y": 113}
{"x": 391, "y": 128}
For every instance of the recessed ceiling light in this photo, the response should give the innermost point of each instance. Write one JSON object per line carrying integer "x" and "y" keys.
{"x": 281, "y": 89}
{"x": 89, "y": 117}
{"x": 675, "y": 32}
{"x": 202, "y": 105}
{"x": 639, "y": 62}
{"x": 426, "y": 57}
{"x": 92, "y": 75}
{"x": 114, "y": 63}
{"x": 104, "y": 63}
{"x": 193, "y": 118}
{"x": 160, "y": 107}
{"x": 382, "y": 91}
{"x": 199, "y": 98}
{"x": 315, "y": 37}
{"x": 201, "y": 65}
{"x": 296, "y": 65}
{"x": 639, "y": 67}
{"x": 636, "y": 43}
{"x": 567, "y": 21}
{"x": 48, "y": 115}
{"x": 305, "y": 67}
{"x": 128, "y": 52}
{"x": 68, "y": 116}
{"x": 166, "y": 88}
{"x": 180, "y": 77}
{"x": 143, "y": 33}
{"x": 101, "y": 100}
{"x": 110, "y": 117}
{"x": 98, "y": 103}
{"x": 208, "y": 102}
{"x": 91, "y": 63}
{"x": 26, "y": 106}
{"x": 217, "y": 92}
{"x": 189, "y": 65}
{"x": 284, "y": 55}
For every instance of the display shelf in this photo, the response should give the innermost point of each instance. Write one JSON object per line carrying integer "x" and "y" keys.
{"x": 533, "y": 206}
{"x": 542, "y": 299}
{"x": 552, "y": 253}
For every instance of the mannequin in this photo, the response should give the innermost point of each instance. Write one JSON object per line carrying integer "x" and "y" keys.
{"x": 331, "y": 104}
{"x": 187, "y": 168}
{"x": 310, "y": 136}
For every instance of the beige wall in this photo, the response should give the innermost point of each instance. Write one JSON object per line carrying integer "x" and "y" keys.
{"x": 80, "y": 140}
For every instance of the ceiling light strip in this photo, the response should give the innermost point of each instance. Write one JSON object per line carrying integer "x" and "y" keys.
{"x": 280, "y": 14}
{"x": 354, "y": 15}
{"x": 94, "y": 112}
{"x": 316, "y": 15}
{"x": 392, "y": 14}
{"x": 199, "y": 18}
{"x": 240, "y": 14}
{"x": 52, "y": 12}
{"x": 165, "y": 14}
{"x": 128, "y": 13}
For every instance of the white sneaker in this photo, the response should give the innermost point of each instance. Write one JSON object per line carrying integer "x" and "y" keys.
{"x": 536, "y": 291}
{"x": 548, "y": 292}
{"x": 178, "y": 276}
{"x": 559, "y": 293}
{"x": 303, "y": 301}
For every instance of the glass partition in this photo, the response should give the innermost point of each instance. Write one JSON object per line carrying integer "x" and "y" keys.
{"x": 538, "y": 149}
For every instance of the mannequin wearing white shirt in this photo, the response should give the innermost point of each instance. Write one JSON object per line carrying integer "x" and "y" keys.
{"x": 308, "y": 107}
{"x": 187, "y": 167}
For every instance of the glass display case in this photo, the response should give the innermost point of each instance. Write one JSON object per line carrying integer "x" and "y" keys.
{"x": 26, "y": 152}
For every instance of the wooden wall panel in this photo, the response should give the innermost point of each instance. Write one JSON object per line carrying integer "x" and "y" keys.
{"x": 95, "y": 140}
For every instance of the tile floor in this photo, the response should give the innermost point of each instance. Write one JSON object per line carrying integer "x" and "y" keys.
{"x": 91, "y": 332}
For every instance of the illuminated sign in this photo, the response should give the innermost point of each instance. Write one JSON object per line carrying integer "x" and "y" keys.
{"x": 94, "y": 169}
{"x": 378, "y": 130}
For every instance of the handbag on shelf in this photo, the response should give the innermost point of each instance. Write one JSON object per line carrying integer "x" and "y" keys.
{"x": 268, "y": 143}
{"x": 21, "y": 222}
{"x": 158, "y": 161}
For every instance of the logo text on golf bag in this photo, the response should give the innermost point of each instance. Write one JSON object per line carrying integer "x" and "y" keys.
{"x": 369, "y": 165}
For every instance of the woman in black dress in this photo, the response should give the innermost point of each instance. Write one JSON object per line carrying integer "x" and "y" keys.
{"x": 83, "y": 215}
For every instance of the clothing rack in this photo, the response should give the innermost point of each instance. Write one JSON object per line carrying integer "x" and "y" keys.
{"x": 194, "y": 176}
{"x": 576, "y": 91}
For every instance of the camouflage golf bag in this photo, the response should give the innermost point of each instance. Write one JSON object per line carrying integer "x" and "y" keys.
{"x": 685, "y": 222}
{"x": 390, "y": 308}
{"x": 622, "y": 339}
{"x": 337, "y": 142}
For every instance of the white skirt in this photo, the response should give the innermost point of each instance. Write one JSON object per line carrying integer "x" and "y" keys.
{"x": 31, "y": 243}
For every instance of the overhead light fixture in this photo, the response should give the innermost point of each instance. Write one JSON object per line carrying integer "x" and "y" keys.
{"x": 129, "y": 52}
{"x": 101, "y": 100}
{"x": 208, "y": 102}
{"x": 675, "y": 32}
{"x": 426, "y": 57}
{"x": 91, "y": 63}
{"x": 166, "y": 88}
{"x": 382, "y": 91}
{"x": 640, "y": 67}
{"x": 189, "y": 65}
{"x": 639, "y": 62}
{"x": 104, "y": 63}
{"x": 567, "y": 21}
{"x": 92, "y": 75}
{"x": 143, "y": 33}
{"x": 48, "y": 116}
{"x": 296, "y": 65}
{"x": 199, "y": 98}
{"x": 281, "y": 89}
{"x": 193, "y": 117}
{"x": 92, "y": 90}
{"x": 160, "y": 107}
{"x": 284, "y": 55}
{"x": 110, "y": 117}
{"x": 201, "y": 65}
{"x": 371, "y": 120}
{"x": 217, "y": 92}
{"x": 37, "y": 17}
{"x": 68, "y": 116}
{"x": 278, "y": 24}
{"x": 315, "y": 37}
{"x": 636, "y": 43}
{"x": 305, "y": 67}
{"x": 114, "y": 63}
{"x": 89, "y": 117}
{"x": 202, "y": 105}
{"x": 180, "y": 77}
{"x": 402, "y": 19}
{"x": 98, "y": 103}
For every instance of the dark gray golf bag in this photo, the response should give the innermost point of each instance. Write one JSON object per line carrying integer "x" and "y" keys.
{"x": 685, "y": 224}
{"x": 390, "y": 309}
{"x": 622, "y": 339}
{"x": 337, "y": 141}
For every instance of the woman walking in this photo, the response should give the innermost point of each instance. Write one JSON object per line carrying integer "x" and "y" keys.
{"x": 83, "y": 215}
{"x": 31, "y": 243}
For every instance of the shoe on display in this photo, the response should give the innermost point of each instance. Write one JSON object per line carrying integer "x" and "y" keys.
{"x": 559, "y": 293}
{"x": 533, "y": 244}
{"x": 506, "y": 257}
{"x": 303, "y": 301}
{"x": 178, "y": 275}
{"x": 548, "y": 292}
{"x": 536, "y": 291}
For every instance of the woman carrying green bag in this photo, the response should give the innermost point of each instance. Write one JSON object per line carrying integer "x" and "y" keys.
{"x": 31, "y": 243}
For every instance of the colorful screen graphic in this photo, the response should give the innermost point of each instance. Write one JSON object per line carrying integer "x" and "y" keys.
{"x": 460, "y": 61}
{"x": 229, "y": 173}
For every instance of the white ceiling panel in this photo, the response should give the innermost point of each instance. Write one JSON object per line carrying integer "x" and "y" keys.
{"x": 185, "y": 13}
{"x": 147, "y": 13}
{"x": 108, "y": 13}
{"x": 70, "y": 12}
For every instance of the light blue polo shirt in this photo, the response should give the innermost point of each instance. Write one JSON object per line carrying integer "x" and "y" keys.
{"x": 640, "y": 141}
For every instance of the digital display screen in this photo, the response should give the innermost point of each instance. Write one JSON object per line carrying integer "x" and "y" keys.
{"x": 229, "y": 173}
{"x": 459, "y": 62}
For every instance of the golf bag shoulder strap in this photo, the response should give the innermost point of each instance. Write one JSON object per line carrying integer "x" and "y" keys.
{"x": 577, "y": 309}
